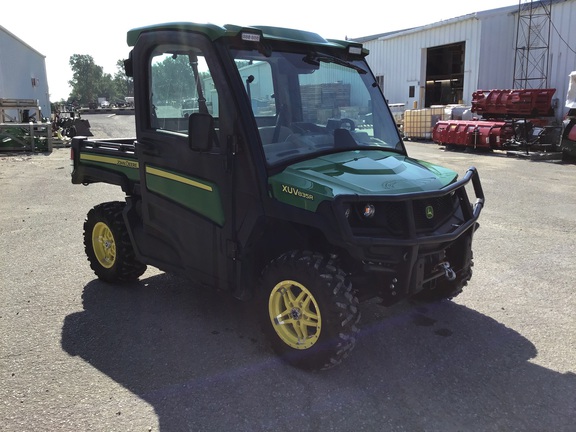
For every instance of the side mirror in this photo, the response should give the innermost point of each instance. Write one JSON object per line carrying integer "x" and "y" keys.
{"x": 200, "y": 131}
{"x": 129, "y": 66}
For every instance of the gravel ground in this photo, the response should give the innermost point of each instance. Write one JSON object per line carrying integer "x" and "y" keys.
{"x": 78, "y": 354}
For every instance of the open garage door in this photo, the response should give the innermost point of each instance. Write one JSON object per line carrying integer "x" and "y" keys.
{"x": 445, "y": 74}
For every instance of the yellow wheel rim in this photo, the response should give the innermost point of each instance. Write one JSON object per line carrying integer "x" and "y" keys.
{"x": 104, "y": 245}
{"x": 295, "y": 315}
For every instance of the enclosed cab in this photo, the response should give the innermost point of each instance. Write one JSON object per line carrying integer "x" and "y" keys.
{"x": 287, "y": 184}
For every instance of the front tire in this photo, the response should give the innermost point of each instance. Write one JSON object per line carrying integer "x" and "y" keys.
{"x": 309, "y": 312}
{"x": 445, "y": 289}
{"x": 107, "y": 244}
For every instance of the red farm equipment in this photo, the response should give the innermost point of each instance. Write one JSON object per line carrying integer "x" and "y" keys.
{"x": 476, "y": 134}
{"x": 510, "y": 119}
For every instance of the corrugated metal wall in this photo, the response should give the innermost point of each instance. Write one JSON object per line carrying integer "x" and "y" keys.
{"x": 490, "y": 38}
{"x": 495, "y": 59}
{"x": 562, "y": 50}
{"x": 401, "y": 58}
{"x": 22, "y": 72}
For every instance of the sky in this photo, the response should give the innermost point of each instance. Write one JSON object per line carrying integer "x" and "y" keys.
{"x": 61, "y": 29}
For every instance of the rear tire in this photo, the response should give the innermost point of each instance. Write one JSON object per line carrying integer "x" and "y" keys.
{"x": 309, "y": 312}
{"x": 107, "y": 244}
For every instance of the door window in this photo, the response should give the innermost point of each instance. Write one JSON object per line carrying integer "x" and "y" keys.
{"x": 181, "y": 85}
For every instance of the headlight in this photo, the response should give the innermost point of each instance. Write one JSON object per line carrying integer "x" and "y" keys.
{"x": 368, "y": 211}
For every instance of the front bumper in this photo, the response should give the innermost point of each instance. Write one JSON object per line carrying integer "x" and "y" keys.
{"x": 417, "y": 249}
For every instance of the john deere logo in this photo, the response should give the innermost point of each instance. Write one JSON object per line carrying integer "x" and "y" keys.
{"x": 429, "y": 212}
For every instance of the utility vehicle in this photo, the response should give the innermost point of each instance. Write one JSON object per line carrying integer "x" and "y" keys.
{"x": 289, "y": 185}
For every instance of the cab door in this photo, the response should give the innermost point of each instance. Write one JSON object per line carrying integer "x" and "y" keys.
{"x": 185, "y": 186}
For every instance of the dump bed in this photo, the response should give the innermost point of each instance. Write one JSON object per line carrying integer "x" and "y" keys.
{"x": 108, "y": 161}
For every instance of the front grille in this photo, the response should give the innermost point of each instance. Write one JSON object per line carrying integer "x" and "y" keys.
{"x": 431, "y": 213}
{"x": 427, "y": 218}
{"x": 388, "y": 221}
{"x": 391, "y": 218}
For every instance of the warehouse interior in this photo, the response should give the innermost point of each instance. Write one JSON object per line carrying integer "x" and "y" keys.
{"x": 445, "y": 74}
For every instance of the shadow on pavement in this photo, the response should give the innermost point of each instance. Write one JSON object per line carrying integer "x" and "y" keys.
{"x": 200, "y": 360}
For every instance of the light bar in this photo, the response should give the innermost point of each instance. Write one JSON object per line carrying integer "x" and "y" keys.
{"x": 355, "y": 50}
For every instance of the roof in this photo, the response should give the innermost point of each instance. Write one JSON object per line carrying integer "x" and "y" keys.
{"x": 12, "y": 35}
{"x": 214, "y": 32}
{"x": 473, "y": 15}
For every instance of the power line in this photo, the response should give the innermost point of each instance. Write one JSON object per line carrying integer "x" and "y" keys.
{"x": 561, "y": 38}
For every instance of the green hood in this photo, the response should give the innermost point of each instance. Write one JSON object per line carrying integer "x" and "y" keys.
{"x": 361, "y": 172}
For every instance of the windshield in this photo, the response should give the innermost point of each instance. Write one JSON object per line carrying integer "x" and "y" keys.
{"x": 308, "y": 104}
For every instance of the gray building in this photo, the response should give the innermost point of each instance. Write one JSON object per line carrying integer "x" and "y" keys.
{"x": 22, "y": 71}
{"x": 445, "y": 62}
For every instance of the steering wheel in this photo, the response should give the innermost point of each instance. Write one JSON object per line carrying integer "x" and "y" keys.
{"x": 347, "y": 123}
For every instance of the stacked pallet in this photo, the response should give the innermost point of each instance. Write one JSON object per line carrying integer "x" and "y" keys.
{"x": 323, "y": 101}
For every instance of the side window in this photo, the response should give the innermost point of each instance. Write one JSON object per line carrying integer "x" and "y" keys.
{"x": 181, "y": 84}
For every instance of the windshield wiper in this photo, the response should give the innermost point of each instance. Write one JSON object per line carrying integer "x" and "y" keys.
{"x": 325, "y": 58}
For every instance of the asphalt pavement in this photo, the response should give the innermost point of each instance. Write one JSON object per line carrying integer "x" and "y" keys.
{"x": 77, "y": 354}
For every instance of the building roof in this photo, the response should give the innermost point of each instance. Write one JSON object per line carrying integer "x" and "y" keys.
{"x": 8, "y": 32}
{"x": 473, "y": 15}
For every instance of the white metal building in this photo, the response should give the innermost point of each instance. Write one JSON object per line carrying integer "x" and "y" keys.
{"x": 22, "y": 71}
{"x": 445, "y": 62}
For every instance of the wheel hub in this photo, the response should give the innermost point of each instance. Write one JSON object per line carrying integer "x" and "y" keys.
{"x": 295, "y": 314}
{"x": 104, "y": 245}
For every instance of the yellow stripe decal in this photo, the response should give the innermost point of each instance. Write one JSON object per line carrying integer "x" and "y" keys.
{"x": 180, "y": 179}
{"x": 109, "y": 160}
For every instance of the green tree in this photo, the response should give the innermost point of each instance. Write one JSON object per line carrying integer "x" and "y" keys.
{"x": 124, "y": 85}
{"x": 106, "y": 87}
{"x": 86, "y": 79}
{"x": 89, "y": 82}
{"x": 173, "y": 78}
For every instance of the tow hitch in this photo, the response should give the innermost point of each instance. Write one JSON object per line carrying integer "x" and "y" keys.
{"x": 448, "y": 272}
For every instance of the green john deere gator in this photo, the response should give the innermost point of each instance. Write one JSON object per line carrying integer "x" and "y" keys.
{"x": 285, "y": 182}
